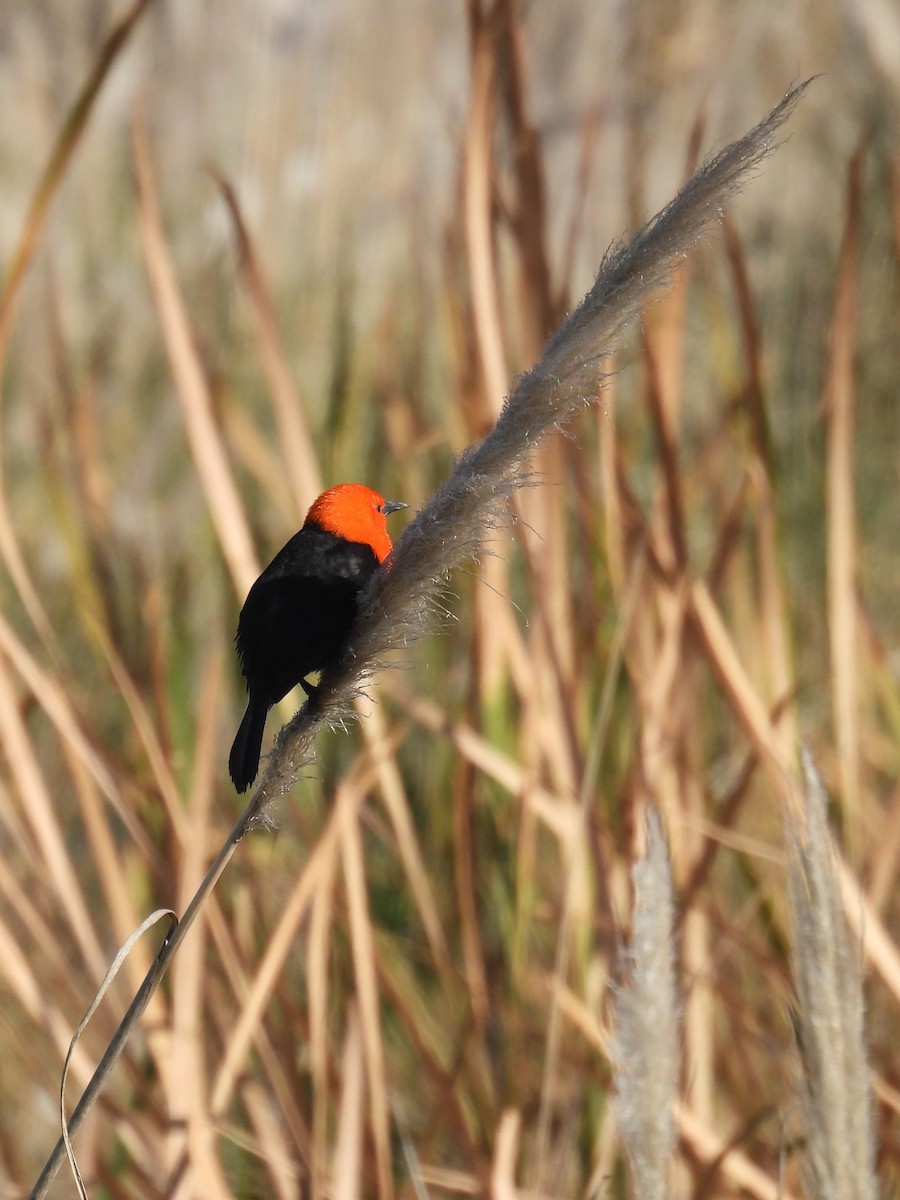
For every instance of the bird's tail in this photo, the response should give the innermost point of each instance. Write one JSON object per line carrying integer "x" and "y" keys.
{"x": 243, "y": 762}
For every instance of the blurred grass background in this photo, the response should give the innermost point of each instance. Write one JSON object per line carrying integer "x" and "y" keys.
{"x": 426, "y": 189}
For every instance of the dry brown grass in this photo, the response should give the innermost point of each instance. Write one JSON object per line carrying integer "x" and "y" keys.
{"x": 408, "y": 987}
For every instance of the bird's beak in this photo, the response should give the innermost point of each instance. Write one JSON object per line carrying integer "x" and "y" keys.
{"x": 391, "y": 506}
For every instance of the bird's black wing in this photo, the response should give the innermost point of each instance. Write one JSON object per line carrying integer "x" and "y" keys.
{"x": 300, "y": 611}
{"x": 323, "y": 556}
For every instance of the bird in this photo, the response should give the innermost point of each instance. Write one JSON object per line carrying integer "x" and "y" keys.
{"x": 298, "y": 615}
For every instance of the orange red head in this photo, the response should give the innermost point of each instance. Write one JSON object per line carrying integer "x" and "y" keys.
{"x": 357, "y": 513}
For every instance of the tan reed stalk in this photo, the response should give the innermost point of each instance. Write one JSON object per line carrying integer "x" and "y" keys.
{"x": 304, "y": 476}
{"x": 840, "y": 404}
{"x": 193, "y": 390}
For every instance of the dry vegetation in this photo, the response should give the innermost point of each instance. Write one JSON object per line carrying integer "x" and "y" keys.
{"x": 434, "y": 976}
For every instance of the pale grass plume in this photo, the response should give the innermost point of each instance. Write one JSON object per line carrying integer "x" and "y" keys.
{"x": 646, "y": 1017}
{"x": 450, "y": 529}
{"x": 827, "y": 963}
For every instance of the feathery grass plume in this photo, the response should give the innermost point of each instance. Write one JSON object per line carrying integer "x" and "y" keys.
{"x": 827, "y": 970}
{"x": 645, "y": 1012}
{"x": 451, "y": 526}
